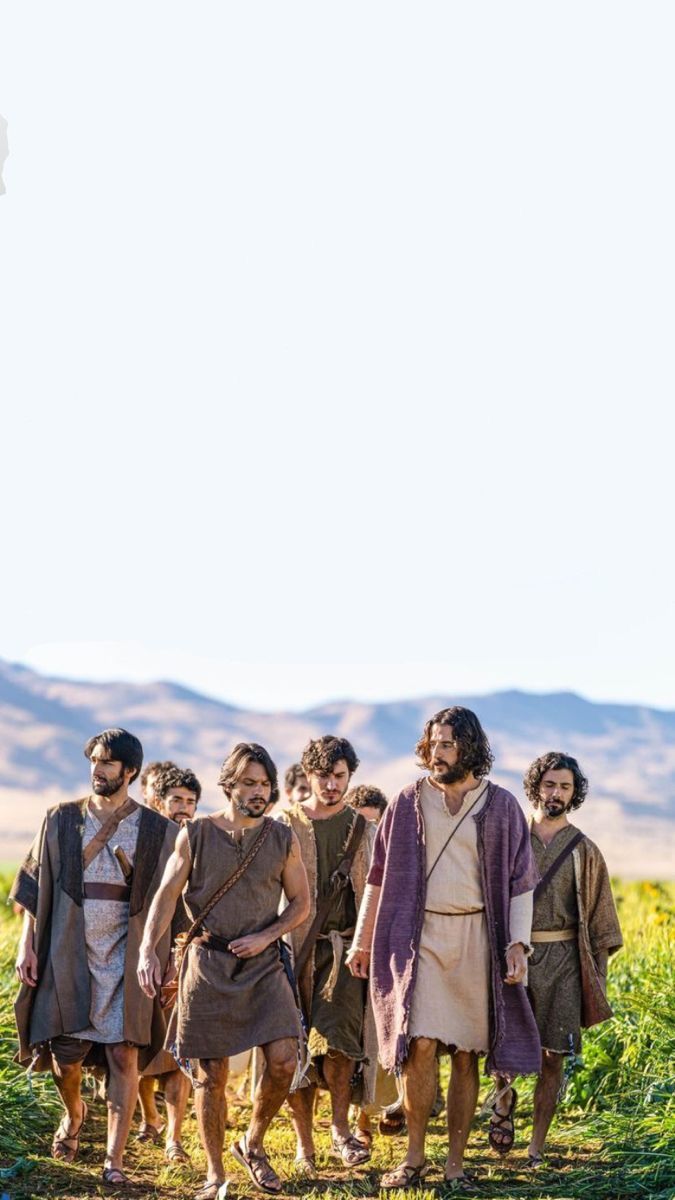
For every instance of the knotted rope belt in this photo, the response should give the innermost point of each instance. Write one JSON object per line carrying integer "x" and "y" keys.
{"x": 337, "y": 939}
{"x": 553, "y": 935}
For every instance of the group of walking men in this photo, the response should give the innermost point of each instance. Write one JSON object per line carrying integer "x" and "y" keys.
{"x": 352, "y": 941}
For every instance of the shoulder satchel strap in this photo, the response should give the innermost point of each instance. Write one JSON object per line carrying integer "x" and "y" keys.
{"x": 557, "y": 864}
{"x": 338, "y": 881}
{"x": 229, "y": 882}
{"x": 107, "y": 830}
{"x": 451, "y": 836}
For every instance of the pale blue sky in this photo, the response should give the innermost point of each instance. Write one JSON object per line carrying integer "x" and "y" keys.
{"x": 337, "y": 346}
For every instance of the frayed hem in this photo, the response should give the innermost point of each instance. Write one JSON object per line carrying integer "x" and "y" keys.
{"x": 446, "y": 1047}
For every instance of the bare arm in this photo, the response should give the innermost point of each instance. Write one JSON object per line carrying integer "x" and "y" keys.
{"x": 175, "y": 877}
{"x": 296, "y": 887}
{"x": 26, "y": 959}
{"x": 358, "y": 959}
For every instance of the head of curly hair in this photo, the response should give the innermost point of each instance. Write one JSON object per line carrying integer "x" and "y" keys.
{"x": 320, "y": 756}
{"x": 293, "y": 774}
{"x": 176, "y": 777}
{"x": 367, "y": 796}
{"x": 555, "y": 760}
{"x": 473, "y": 748}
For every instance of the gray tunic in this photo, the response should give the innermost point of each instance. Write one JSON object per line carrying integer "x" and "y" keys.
{"x": 106, "y": 924}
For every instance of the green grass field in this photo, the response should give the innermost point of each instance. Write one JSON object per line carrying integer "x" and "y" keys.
{"x": 613, "y": 1138}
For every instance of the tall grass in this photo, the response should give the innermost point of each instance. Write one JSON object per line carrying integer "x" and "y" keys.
{"x": 613, "y": 1137}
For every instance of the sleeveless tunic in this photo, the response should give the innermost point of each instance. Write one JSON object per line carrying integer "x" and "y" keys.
{"x": 227, "y": 1004}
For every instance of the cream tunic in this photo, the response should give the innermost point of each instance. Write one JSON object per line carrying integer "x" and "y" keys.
{"x": 451, "y": 997}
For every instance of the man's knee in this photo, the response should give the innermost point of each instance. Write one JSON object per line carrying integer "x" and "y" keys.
{"x": 214, "y": 1073}
{"x": 122, "y": 1059}
{"x": 280, "y": 1057}
{"x": 423, "y": 1050}
{"x": 551, "y": 1063}
{"x": 464, "y": 1062}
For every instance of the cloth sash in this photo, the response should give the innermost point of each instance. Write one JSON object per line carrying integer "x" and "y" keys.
{"x": 553, "y": 935}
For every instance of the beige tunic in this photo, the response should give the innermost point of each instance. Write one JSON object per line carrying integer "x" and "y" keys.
{"x": 451, "y": 997}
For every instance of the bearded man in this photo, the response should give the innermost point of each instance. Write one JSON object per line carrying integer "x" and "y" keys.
{"x": 86, "y": 887}
{"x": 233, "y": 990}
{"x": 176, "y": 793}
{"x": 574, "y": 930}
{"x": 444, "y": 926}
{"x": 336, "y": 844}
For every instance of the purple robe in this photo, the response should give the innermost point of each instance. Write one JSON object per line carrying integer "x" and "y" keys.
{"x": 399, "y": 868}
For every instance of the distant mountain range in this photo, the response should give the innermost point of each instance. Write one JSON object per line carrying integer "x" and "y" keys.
{"x": 627, "y": 751}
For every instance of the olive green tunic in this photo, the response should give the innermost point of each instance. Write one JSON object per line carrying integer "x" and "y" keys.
{"x": 336, "y": 1022}
{"x": 228, "y": 1004}
{"x": 553, "y": 968}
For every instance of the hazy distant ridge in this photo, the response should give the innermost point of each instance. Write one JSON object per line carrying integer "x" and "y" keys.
{"x": 628, "y": 751}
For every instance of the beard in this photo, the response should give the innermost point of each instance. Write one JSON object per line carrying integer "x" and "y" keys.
{"x": 333, "y": 799}
{"x": 252, "y": 808}
{"x": 108, "y": 787}
{"x": 552, "y": 809}
{"x": 444, "y": 774}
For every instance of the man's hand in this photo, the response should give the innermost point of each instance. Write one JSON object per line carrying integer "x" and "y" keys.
{"x": 358, "y": 962}
{"x": 149, "y": 972}
{"x": 252, "y": 944}
{"x": 516, "y": 964}
{"x": 26, "y": 963}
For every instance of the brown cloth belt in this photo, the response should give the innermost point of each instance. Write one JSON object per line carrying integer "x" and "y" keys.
{"x": 553, "y": 935}
{"x": 107, "y": 891}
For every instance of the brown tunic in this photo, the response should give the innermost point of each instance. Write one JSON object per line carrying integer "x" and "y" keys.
{"x": 228, "y": 1004}
{"x": 554, "y": 978}
{"x": 581, "y": 895}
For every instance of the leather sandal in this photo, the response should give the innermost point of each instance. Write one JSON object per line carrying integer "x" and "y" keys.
{"x": 349, "y": 1149}
{"x": 112, "y": 1177}
{"x": 405, "y": 1176}
{"x": 61, "y": 1149}
{"x": 175, "y": 1152}
{"x": 305, "y": 1166}
{"x": 463, "y": 1185}
{"x": 504, "y": 1126}
{"x": 150, "y": 1133}
{"x": 534, "y": 1162}
{"x": 260, "y": 1170}
{"x": 209, "y": 1191}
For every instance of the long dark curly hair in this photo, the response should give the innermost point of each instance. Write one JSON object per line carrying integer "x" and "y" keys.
{"x": 473, "y": 749}
{"x": 555, "y": 760}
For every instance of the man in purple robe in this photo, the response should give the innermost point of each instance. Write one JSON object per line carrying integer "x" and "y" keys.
{"x": 444, "y": 931}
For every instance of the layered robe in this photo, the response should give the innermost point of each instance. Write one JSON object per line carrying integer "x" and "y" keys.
{"x": 49, "y": 885}
{"x": 507, "y": 870}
